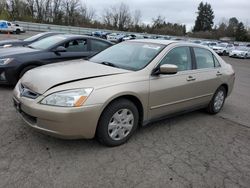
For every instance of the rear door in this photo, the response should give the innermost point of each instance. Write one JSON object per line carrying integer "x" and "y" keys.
{"x": 207, "y": 75}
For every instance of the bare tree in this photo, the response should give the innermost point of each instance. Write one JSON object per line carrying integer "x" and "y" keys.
{"x": 117, "y": 16}
{"x": 87, "y": 14}
{"x": 71, "y": 8}
{"x": 137, "y": 18}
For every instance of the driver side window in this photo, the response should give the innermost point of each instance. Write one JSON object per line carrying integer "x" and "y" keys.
{"x": 79, "y": 45}
{"x": 179, "y": 56}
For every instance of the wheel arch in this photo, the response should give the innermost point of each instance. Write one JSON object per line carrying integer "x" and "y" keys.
{"x": 133, "y": 98}
{"x": 226, "y": 87}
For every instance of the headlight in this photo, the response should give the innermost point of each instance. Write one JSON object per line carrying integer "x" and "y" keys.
{"x": 68, "y": 98}
{"x": 5, "y": 61}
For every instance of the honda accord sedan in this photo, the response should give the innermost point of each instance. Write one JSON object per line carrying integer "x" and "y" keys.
{"x": 123, "y": 87}
{"x": 15, "y": 61}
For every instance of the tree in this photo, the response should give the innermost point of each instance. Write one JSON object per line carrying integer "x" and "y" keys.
{"x": 119, "y": 17}
{"x": 232, "y": 26}
{"x": 204, "y": 20}
{"x": 241, "y": 32}
{"x": 137, "y": 18}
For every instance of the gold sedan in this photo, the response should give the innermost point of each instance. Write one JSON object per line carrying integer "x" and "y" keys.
{"x": 125, "y": 86}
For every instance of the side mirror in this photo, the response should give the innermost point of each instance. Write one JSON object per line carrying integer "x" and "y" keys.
{"x": 167, "y": 69}
{"x": 60, "y": 49}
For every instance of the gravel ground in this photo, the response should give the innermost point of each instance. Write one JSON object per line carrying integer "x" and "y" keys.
{"x": 191, "y": 150}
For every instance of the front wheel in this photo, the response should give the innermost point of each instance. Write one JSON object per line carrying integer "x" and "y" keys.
{"x": 217, "y": 101}
{"x": 117, "y": 123}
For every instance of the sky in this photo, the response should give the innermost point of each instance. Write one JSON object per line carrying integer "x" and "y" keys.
{"x": 179, "y": 11}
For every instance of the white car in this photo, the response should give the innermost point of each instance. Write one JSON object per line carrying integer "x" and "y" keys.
{"x": 241, "y": 52}
{"x": 223, "y": 48}
{"x": 6, "y": 26}
{"x": 115, "y": 37}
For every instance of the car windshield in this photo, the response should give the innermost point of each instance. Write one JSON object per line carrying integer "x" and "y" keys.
{"x": 34, "y": 37}
{"x": 47, "y": 42}
{"x": 128, "y": 55}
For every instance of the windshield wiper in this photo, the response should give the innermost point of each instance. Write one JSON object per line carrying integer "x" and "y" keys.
{"x": 109, "y": 64}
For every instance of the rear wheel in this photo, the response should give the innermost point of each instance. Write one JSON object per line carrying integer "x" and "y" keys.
{"x": 117, "y": 123}
{"x": 217, "y": 101}
{"x": 18, "y": 31}
{"x": 26, "y": 69}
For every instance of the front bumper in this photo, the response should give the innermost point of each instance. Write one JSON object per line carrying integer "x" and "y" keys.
{"x": 220, "y": 52}
{"x": 62, "y": 122}
{"x": 236, "y": 55}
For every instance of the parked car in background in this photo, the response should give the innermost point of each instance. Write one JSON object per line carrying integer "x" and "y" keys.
{"x": 127, "y": 85}
{"x": 27, "y": 41}
{"x": 100, "y": 34}
{"x": 132, "y": 37}
{"x": 209, "y": 43}
{"x": 240, "y": 52}
{"x": 223, "y": 48}
{"x": 15, "y": 61}
{"x": 6, "y": 26}
{"x": 115, "y": 37}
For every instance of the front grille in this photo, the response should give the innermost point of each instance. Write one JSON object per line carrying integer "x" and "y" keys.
{"x": 26, "y": 92}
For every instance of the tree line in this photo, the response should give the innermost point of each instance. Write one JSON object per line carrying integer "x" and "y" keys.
{"x": 117, "y": 17}
{"x": 232, "y": 28}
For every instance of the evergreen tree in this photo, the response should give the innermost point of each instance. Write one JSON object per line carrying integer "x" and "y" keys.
{"x": 204, "y": 20}
{"x": 232, "y": 26}
{"x": 241, "y": 32}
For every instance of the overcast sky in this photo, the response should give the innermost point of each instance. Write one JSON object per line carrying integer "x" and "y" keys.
{"x": 179, "y": 11}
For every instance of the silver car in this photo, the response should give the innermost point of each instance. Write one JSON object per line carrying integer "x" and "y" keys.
{"x": 125, "y": 86}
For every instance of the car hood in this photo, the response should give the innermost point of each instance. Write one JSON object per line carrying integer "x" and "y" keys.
{"x": 13, "y": 51}
{"x": 46, "y": 77}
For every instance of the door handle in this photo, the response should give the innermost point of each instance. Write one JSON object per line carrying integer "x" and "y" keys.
{"x": 191, "y": 78}
{"x": 218, "y": 73}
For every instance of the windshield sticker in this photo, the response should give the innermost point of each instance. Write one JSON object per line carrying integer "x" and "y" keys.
{"x": 150, "y": 46}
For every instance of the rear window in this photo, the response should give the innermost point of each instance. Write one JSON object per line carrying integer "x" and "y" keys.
{"x": 204, "y": 58}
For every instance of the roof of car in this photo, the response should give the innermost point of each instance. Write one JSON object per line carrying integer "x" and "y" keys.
{"x": 167, "y": 42}
{"x": 164, "y": 42}
{"x": 84, "y": 36}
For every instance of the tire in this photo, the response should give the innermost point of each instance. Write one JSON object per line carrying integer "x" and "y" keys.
{"x": 24, "y": 70}
{"x": 224, "y": 53}
{"x": 245, "y": 56}
{"x": 18, "y": 31}
{"x": 217, "y": 101}
{"x": 112, "y": 131}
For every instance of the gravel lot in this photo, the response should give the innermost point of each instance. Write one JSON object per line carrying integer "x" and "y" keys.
{"x": 192, "y": 150}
